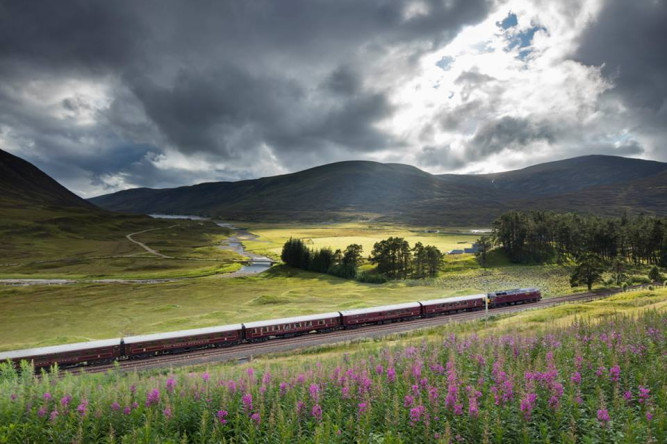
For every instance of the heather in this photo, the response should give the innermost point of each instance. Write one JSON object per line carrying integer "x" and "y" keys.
{"x": 594, "y": 380}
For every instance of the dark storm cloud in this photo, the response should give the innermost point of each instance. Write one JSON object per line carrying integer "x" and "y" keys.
{"x": 628, "y": 39}
{"x": 220, "y": 79}
{"x": 508, "y": 133}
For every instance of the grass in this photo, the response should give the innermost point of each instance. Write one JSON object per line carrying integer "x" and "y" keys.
{"x": 77, "y": 244}
{"x": 596, "y": 378}
{"x": 47, "y": 315}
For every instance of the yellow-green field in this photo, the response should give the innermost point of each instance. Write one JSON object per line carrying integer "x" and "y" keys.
{"x": 272, "y": 236}
{"x": 202, "y": 295}
{"x": 47, "y": 315}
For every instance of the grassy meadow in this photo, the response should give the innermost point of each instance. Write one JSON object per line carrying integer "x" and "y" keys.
{"x": 540, "y": 376}
{"x": 200, "y": 293}
{"x": 81, "y": 245}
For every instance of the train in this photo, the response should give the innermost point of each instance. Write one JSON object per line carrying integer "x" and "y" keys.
{"x": 146, "y": 346}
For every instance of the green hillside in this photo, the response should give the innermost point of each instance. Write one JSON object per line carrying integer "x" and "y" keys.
{"x": 360, "y": 190}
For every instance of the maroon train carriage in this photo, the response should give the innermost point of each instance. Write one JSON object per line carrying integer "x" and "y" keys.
{"x": 286, "y": 327}
{"x": 180, "y": 341}
{"x": 67, "y": 355}
{"x": 436, "y": 307}
{"x": 379, "y": 315}
{"x": 513, "y": 297}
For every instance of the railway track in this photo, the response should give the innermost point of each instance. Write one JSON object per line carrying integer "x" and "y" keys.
{"x": 248, "y": 351}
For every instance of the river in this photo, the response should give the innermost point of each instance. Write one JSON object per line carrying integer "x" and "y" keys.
{"x": 256, "y": 263}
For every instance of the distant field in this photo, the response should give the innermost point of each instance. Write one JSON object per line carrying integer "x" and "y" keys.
{"x": 272, "y": 236}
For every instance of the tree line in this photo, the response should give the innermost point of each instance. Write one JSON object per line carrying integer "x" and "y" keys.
{"x": 394, "y": 259}
{"x": 540, "y": 236}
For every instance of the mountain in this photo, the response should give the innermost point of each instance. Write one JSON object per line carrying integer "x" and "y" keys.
{"x": 563, "y": 176}
{"x": 23, "y": 184}
{"x": 369, "y": 190}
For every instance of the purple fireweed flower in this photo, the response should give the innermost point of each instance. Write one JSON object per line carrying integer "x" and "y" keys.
{"x": 363, "y": 407}
{"x": 82, "y": 408}
{"x": 170, "y": 385}
{"x": 247, "y": 402}
{"x": 133, "y": 389}
{"x": 222, "y": 414}
{"x": 603, "y": 417}
{"x": 251, "y": 372}
{"x": 317, "y": 412}
{"x": 615, "y": 373}
{"x": 473, "y": 410}
{"x": 627, "y": 395}
{"x": 135, "y": 405}
{"x": 314, "y": 391}
{"x": 379, "y": 369}
{"x": 47, "y": 396}
{"x": 266, "y": 378}
{"x": 115, "y": 406}
{"x": 256, "y": 418}
{"x": 416, "y": 413}
{"x": 408, "y": 401}
{"x": 153, "y": 397}
{"x": 299, "y": 407}
{"x": 283, "y": 388}
{"x": 458, "y": 409}
{"x": 600, "y": 371}
{"x": 554, "y": 402}
{"x": 576, "y": 377}
{"x": 12, "y": 396}
{"x": 649, "y": 416}
{"x": 167, "y": 412}
{"x": 54, "y": 416}
{"x": 65, "y": 400}
{"x": 433, "y": 395}
{"x": 391, "y": 374}
{"x": 127, "y": 410}
{"x": 206, "y": 376}
{"x": 643, "y": 394}
{"x": 231, "y": 386}
{"x": 41, "y": 412}
{"x": 417, "y": 371}
{"x": 301, "y": 378}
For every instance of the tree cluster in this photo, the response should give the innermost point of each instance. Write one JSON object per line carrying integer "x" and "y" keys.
{"x": 397, "y": 260}
{"x": 540, "y": 236}
{"x": 338, "y": 263}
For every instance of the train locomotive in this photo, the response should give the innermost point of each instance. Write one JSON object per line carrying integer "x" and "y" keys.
{"x": 145, "y": 346}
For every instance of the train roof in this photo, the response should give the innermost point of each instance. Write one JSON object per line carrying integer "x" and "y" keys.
{"x": 514, "y": 291}
{"x": 359, "y": 311}
{"x": 41, "y": 351}
{"x": 181, "y": 333}
{"x": 453, "y": 299}
{"x": 306, "y": 318}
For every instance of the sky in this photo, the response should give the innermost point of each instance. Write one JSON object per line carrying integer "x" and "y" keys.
{"x": 109, "y": 95}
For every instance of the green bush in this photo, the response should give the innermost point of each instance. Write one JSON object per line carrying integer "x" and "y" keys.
{"x": 371, "y": 278}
